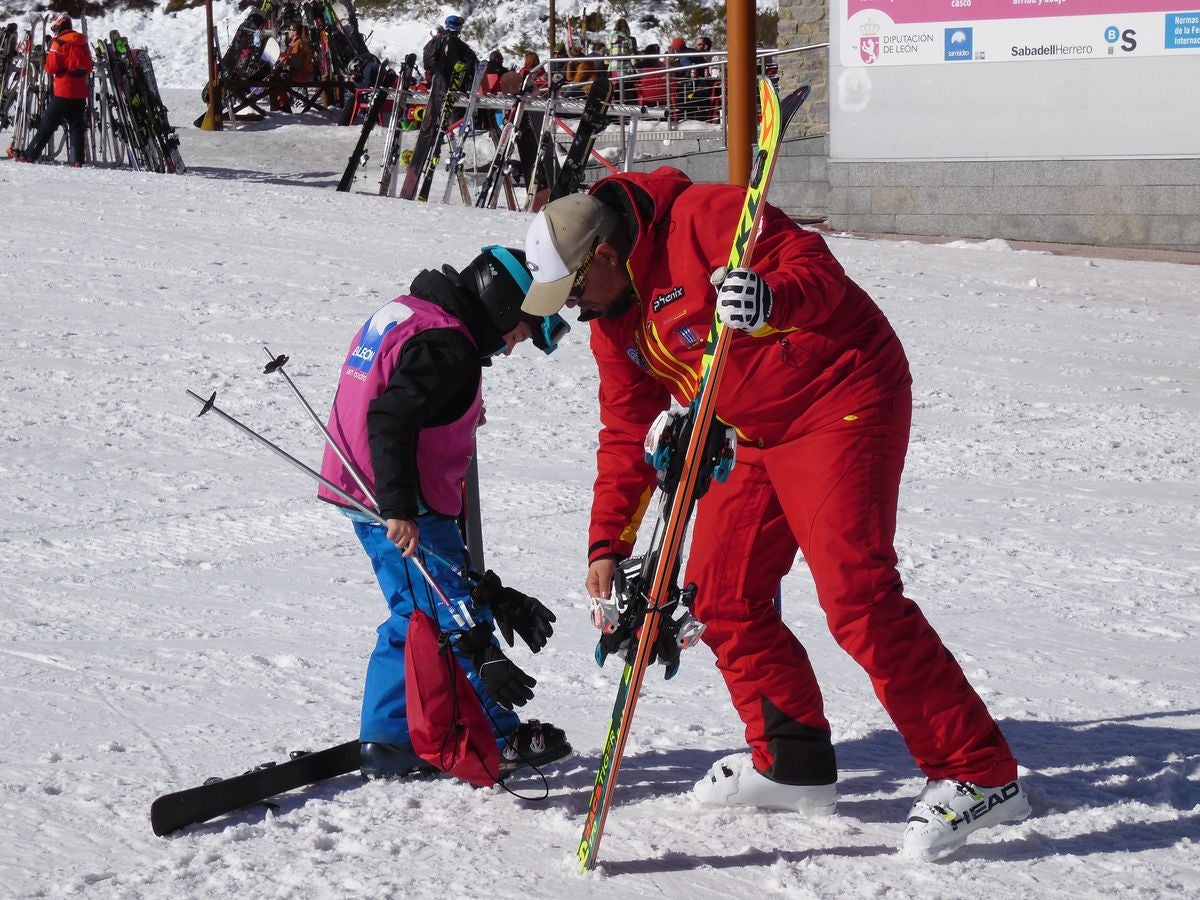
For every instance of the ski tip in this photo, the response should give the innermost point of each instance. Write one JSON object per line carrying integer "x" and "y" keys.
{"x": 790, "y": 105}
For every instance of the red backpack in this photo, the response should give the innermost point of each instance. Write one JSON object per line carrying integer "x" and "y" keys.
{"x": 446, "y": 721}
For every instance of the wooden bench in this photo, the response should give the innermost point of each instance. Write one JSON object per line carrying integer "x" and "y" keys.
{"x": 250, "y": 95}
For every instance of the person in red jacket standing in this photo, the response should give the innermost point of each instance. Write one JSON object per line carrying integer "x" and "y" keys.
{"x": 69, "y": 61}
{"x": 818, "y": 390}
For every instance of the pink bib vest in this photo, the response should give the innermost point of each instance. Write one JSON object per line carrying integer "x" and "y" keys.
{"x": 443, "y": 452}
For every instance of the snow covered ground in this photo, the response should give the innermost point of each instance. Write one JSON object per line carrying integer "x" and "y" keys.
{"x": 174, "y": 604}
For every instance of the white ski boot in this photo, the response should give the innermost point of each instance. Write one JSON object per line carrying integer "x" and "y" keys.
{"x": 947, "y": 811}
{"x": 733, "y": 781}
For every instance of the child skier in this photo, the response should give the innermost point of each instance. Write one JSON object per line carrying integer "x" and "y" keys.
{"x": 405, "y": 412}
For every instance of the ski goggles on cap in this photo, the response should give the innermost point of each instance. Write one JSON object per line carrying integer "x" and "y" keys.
{"x": 547, "y": 330}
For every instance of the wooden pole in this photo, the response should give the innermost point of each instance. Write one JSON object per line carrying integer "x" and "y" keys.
{"x": 552, "y": 32}
{"x": 741, "y": 96}
{"x": 213, "y": 117}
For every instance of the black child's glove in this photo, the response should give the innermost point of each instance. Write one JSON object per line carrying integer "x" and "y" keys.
{"x": 504, "y": 680}
{"x": 514, "y": 611}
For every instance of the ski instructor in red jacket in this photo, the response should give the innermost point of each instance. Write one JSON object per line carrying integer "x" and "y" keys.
{"x": 70, "y": 62}
{"x": 817, "y": 388}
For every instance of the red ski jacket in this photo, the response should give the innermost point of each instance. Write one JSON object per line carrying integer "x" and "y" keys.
{"x": 827, "y": 352}
{"x": 70, "y": 61}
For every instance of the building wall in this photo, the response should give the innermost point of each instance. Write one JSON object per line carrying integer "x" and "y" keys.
{"x": 1071, "y": 151}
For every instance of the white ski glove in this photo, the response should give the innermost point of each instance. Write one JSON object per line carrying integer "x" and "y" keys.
{"x": 743, "y": 299}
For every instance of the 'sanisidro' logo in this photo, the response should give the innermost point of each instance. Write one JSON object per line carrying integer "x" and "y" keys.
{"x": 959, "y": 43}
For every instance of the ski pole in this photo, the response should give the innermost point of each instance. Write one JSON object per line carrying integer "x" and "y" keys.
{"x": 276, "y": 365}
{"x": 210, "y": 405}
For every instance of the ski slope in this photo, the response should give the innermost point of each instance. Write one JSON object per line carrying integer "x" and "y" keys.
{"x": 174, "y": 603}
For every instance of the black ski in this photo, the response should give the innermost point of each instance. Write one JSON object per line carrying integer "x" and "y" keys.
{"x": 429, "y": 140}
{"x": 505, "y": 145}
{"x": 545, "y": 163}
{"x": 445, "y": 116}
{"x": 593, "y": 121}
{"x": 358, "y": 154}
{"x": 171, "y": 812}
{"x": 391, "y": 147}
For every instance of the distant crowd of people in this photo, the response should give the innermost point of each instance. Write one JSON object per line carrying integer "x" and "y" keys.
{"x": 684, "y": 79}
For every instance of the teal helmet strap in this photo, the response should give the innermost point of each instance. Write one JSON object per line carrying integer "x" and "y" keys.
{"x": 511, "y": 264}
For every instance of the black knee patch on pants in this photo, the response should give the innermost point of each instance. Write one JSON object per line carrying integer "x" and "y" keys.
{"x": 799, "y": 754}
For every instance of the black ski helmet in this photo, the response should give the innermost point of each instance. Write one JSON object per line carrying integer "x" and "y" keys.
{"x": 498, "y": 277}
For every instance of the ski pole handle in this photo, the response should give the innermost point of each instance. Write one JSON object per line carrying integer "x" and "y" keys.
{"x": 276, "y": 365}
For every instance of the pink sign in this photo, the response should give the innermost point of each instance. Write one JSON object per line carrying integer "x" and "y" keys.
{"x": 909, "y": 12}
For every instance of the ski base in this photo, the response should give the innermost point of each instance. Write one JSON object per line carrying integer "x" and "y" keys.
{"x": 171, "y": 812}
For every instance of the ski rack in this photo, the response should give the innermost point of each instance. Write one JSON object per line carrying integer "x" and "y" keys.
{"x": 563, "y": 107}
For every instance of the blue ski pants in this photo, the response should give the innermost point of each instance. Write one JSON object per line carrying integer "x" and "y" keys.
{"x": 384, "y": 711}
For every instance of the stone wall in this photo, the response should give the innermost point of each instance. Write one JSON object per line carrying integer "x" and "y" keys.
{"x": 1152, "y": 203}
{"x": 802, "y": 23}
{"x": 800, "y": 185}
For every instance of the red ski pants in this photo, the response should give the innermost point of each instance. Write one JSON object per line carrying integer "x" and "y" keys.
{"x": 831, "y": 493}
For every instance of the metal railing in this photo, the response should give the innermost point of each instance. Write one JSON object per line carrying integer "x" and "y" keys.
{"x": 684, "y": 91}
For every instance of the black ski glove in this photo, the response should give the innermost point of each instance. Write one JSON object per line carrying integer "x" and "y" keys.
{"x": 504, "y": 680}
{"x": 515, "y": 611}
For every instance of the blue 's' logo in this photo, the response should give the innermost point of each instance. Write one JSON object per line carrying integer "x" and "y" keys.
{"x": 959, "y": 43}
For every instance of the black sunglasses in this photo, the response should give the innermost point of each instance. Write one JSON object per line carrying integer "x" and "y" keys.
{"x": 581, "y": 274}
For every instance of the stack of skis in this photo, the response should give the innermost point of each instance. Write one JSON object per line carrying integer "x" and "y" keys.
{"x": 10, "y": 72}
{"x": 522, "y": 147}
{"x": 129, "y": 124}
{"x": 331, "y": 27}
{"x": 127, "y": 121}
{"x": 24, "y": 88}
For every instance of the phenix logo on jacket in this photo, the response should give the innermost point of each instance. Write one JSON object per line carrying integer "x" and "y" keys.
{"x": 443, "y": 452}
